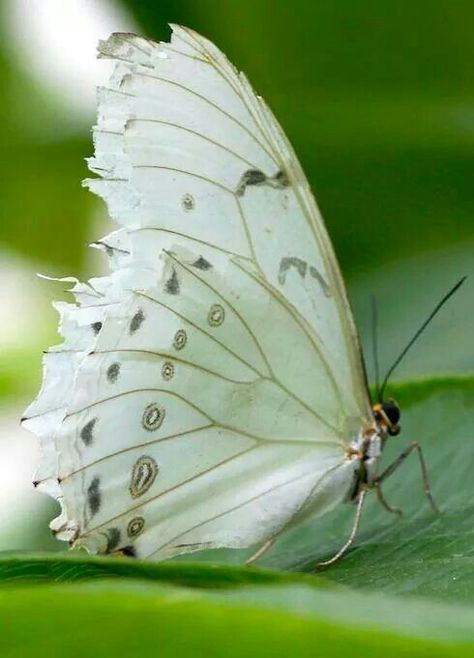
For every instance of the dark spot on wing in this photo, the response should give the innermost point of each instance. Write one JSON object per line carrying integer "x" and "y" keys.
{"x": 291, "y": 261}
{"x": 172, "y": 285}
{"x": 113, "y": 539}
{"x": 136, "y": 321}
{"x": 94, "y": 497}
{"x": 129, "y": 551}
{"x": 113, "y": 372}
{"x": 316, "y": 275}
{"x": 188, "y": 202}
{"x": 281, "y": 178}
{"x": 96, "y": 327}
{"x": 87, "y": 432}
{"x": 302, "y": 268}
{"x": 202, "y": 264}
{"x": 257, "y": 177}
{"x": 250, "y": 177}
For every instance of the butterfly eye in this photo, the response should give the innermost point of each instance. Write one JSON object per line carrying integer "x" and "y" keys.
{"x": 392, "y": 411}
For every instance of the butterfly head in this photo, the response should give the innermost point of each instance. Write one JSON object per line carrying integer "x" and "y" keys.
{"x": 387, "y": 415}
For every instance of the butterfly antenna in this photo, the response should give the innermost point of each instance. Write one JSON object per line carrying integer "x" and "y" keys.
{"x": 418, "y": 333}
{"x": 375, "y": 347}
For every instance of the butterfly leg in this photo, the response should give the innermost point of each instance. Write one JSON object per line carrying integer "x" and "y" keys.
{"x": 383, "y": 501}
{"x": 350, "y": 541}
{"x": 261, "y": 551}
{"x": 424, "y": 472}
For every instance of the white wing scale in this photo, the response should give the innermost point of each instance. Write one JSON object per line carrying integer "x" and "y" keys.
{"x": 207, "y": 387}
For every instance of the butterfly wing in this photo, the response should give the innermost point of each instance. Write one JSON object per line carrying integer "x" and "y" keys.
{"x": 183, "y": 144}
{"x": 211, "y": 381}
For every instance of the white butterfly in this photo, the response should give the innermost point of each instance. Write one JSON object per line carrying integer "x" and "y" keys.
{"x": 210, "y": 391}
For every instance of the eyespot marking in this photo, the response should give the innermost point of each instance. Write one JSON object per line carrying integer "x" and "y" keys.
{"x": 153, "y": 417}
{"x": 94, "y": 497}
{"x": 144, "y": 473}
{"x": 167, "y": 371}
{"x": 87, "y": 432}
{"x": 180, "y": 339}
{"x": 135, "y": 526}
{"x": 136, "y": 321}
{"x": 188, "y": 202}
{"x": 113, "y": 372}
{"x": 216, "y": 315}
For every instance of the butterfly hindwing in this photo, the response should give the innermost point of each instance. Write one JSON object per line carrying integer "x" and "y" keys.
{"x": 241, "y": 432}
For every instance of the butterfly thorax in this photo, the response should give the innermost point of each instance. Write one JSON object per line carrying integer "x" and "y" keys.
{"x": 369, "y": 444}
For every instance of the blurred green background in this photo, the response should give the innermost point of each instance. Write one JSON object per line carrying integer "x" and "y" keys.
{"x": 378, "y": 101}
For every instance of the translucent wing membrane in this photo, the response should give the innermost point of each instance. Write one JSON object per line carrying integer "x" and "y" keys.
{"x": 206, "y": 389}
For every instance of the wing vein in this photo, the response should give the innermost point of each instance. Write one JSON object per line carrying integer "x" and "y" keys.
{"x": 226, "y": 301}
{"x": 289, "y": 308}
{"x": 69, "y": 414}
{"x": 162, "y": 439}
{"x": 183, "y": 171}
{"x": 235, "y": 88}
{"x": 198, "y": 134}
{"x": 175, "y": 358}
{"x": 173, "y": 488}
{"x": 172, "y": 310}
{"x": 232, "y": 509}
{"x": 186, "y": 235}
{"x": 231, "y": 117}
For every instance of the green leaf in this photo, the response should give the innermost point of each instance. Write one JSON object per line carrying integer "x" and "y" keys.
{"x": 138, "y": 617}
{"x": 41, "y": 568}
